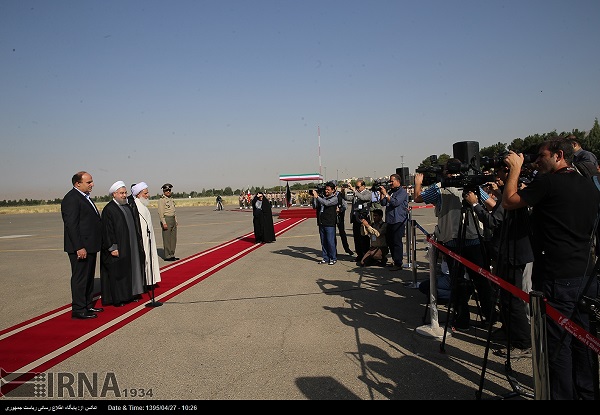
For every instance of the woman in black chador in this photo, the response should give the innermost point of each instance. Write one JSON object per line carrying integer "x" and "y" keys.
{"x": 264, "y": 230}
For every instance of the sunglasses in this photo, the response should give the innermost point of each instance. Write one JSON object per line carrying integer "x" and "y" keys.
{"x": 167, "y": 190}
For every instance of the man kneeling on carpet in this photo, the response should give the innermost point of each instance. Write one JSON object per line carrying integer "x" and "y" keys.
{"x": 378, "y": 250}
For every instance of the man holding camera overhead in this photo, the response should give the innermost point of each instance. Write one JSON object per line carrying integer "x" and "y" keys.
{"x": 395, "y": 201}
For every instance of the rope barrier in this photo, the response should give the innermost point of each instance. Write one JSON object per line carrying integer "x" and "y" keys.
{"x": 577, "y": 331}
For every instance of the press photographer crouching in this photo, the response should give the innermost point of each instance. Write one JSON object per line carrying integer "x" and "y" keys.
{"x": 377, "y": 253}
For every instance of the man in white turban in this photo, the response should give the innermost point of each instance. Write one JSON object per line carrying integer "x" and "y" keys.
{"x": 116, "y": 186}
{"x": 122, "y": 256}
{"x": 142, "y": 200}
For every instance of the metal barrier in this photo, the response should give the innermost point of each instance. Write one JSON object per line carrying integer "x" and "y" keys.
{"x": 411, "y": 248}
{"x": 433, "y": 329}
{"x": 539, "y": 349}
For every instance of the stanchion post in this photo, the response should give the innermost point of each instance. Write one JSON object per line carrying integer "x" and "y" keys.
{"x": 409, "y": 243}
{"x": 434, "y": 329}
{"x": 539, "y": 349}
{"x": 411, "y": 237}
{"x": 413, "y": 229}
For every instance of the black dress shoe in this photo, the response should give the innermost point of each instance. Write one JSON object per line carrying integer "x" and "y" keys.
{"x": 95, "y": 310}
{"x": 170, "y": 259}
{"x": 119, "y": 304}
{"x": 82, "y": 315}
{"x": 174, "y": 259}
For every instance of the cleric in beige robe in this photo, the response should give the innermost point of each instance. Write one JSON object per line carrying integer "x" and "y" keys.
{"x": 142, "y": 200}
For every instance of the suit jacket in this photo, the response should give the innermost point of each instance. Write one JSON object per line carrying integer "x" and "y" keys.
{"x": 82, "y": 224}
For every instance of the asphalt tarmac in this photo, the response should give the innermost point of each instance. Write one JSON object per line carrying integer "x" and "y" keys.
{"x": 273, "y": 325}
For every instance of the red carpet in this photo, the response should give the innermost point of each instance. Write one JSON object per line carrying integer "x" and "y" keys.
{"x": 297, "y": 212}
{"x": 38, "y": 344}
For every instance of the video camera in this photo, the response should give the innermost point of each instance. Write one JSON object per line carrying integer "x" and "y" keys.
{"x": 466, "y": 176}
{"x": 364, "y": 213}
{"x": 378, "y": 183}
{"x": 496, "y": 162}
{"x": 471, "y": 174}
{"x": 320, "y": 189}
{"x": 433, "y": 173}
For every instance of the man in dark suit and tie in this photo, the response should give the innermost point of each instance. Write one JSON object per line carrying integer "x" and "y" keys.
{"x": 83, "y": 240}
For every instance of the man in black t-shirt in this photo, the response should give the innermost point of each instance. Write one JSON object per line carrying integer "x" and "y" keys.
{"x": 564, "y": 210}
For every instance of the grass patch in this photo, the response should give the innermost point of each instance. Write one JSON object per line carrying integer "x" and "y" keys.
{"x": 197, "y": 201}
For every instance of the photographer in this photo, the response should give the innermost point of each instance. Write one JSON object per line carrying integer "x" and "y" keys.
{"x": 512, "y": 258}
{"x": 448, "y": 209}
{"x": 360, "y": 210}
{"x": 343, "y": 195}
{"x": 563, "y": 215}
{"x": 377, "y": 253}
{"x": 326, "y": 206}
{"x": 395, "y": 202}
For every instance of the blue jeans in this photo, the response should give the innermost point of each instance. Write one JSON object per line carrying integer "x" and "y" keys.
{"x": 570, "y": 362}
{"x": 328, "y": 243}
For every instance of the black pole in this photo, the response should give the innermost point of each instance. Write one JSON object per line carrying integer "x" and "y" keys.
{"x": 152, "y": 303}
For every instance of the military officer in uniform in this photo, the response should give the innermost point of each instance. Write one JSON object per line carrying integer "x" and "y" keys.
{"x": 168, "y": 221}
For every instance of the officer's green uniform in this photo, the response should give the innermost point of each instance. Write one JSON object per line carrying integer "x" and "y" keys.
{"x": 168, "y": 221}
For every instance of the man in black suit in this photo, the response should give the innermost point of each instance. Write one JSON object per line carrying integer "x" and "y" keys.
{"x": 83, "y": 240}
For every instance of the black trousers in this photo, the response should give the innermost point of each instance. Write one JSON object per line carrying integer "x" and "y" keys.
{"x": 341, "y": 225}
{"x": 513, "y": 309}
{"x": 362, "y": 243}
{"x": 82, "y": 281}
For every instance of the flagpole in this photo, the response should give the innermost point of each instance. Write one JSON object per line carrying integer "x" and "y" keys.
{"x": 319, "y": 134}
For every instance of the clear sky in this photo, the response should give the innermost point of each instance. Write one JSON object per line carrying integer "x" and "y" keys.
{"x": 213, "y": 93}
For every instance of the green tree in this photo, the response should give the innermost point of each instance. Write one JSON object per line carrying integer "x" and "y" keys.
{"x": 593, "y": 139}
{"x": 493, "y": 150}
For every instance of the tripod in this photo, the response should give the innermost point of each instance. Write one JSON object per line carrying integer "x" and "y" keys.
{"x": 513, "y": 229}
{"x": 460, "y": 288}
{"x": 152, "y": 302}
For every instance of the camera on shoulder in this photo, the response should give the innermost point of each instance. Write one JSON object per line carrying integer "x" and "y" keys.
{"x": 379, "y": 183}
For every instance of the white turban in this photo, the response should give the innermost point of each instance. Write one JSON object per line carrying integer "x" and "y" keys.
{"x": 138, "y": 188}
{"x": 116, "y": 186}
